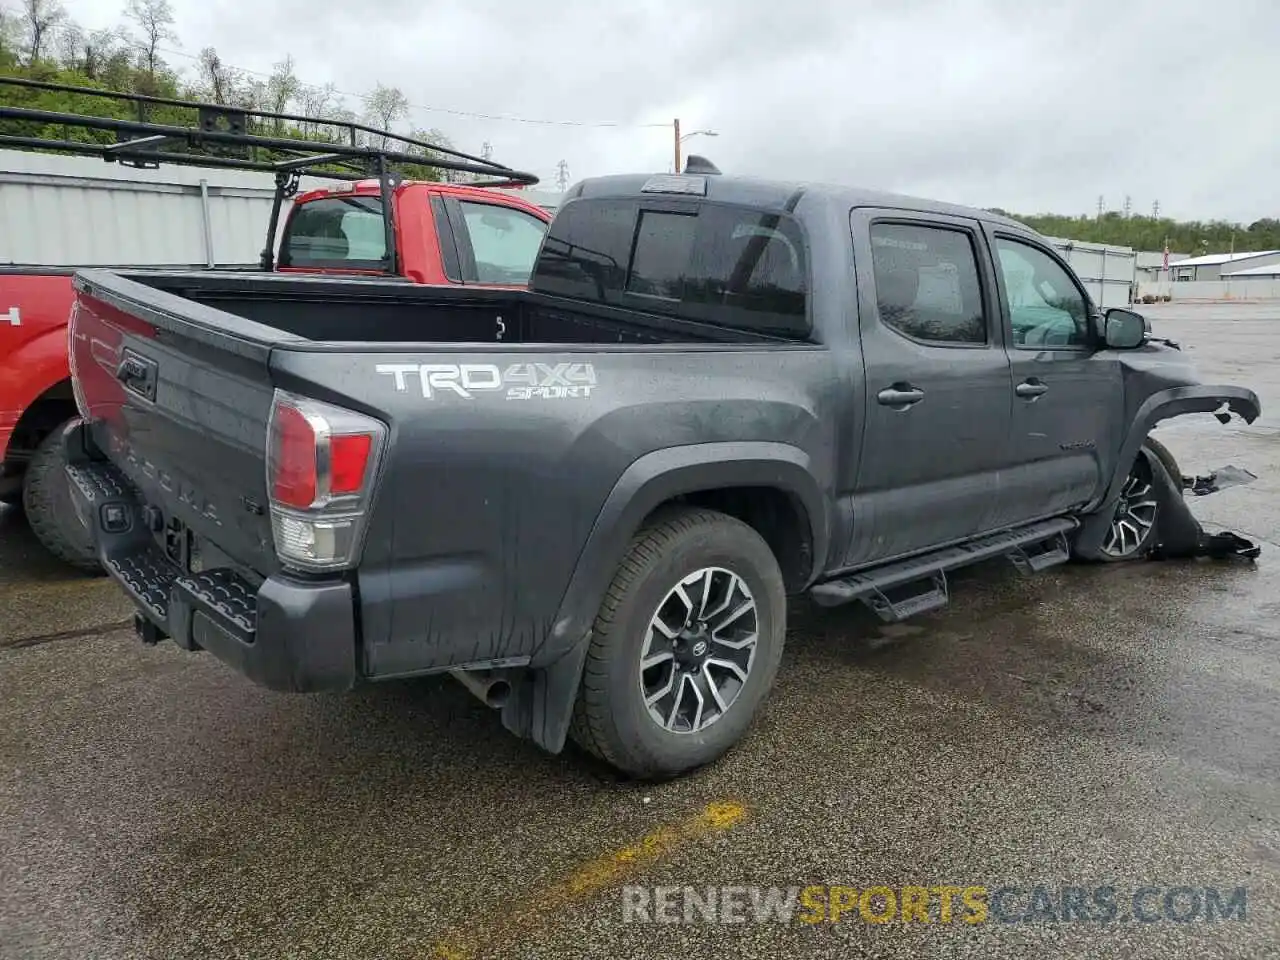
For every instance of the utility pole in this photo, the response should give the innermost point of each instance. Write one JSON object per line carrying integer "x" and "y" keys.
{"x": 562, "y": 176}
{"x": 676, "y": 124}
{"x": 1099, "y": 206}
{"x": 1155, "y": 210}
{"x": 1128, "y": 205}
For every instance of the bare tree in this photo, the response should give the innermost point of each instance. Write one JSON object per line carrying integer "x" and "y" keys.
{"x": 216, "y": 78}
{"x": 384, "y": 106}
{"x": 41, "y": 19}
{"x": 68, "y": 44}
{"x": 10, "y": 32}
{"x": 316, "y": 103}
{"x": 154, "y": 19}
{"x": 102, "y": 47}
{"x": 439, "y": 138}
{"x": 282, "y": 87}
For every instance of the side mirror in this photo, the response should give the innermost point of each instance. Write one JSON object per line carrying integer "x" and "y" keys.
{"x": 1124, "y": 329}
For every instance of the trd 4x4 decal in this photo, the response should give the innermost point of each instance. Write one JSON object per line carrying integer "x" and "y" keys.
{"x": 519, "y": 381}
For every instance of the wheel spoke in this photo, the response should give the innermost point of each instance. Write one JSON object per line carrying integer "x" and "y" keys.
{"x": 662, "y": 628}
{"x": 652, "y": 699}
{"x": 707, "y": 580}
{"x": 684, "y": 597}
{"x": 747, "y": 641}
{"x": 713, "y": 688}
{"x": 747, "y": 606}
{"x": 729, "y": 665}
{"x": 648, "y": 663}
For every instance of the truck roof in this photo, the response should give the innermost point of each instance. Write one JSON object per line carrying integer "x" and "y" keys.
{"x": 770, "y": 194}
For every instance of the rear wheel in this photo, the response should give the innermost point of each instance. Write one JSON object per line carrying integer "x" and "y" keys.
{"x": 47, "y": 502}
{"x": 685, "y": 648}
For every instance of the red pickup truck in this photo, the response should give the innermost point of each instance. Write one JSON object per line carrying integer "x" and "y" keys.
{"x": 433, "y": 233}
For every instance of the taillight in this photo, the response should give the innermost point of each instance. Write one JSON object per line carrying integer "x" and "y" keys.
{"x": 321, "y": 466}
{"x": 77, "y": 388}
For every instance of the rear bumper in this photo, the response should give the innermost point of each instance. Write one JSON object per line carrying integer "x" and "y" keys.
{"x": 282, "y": 633}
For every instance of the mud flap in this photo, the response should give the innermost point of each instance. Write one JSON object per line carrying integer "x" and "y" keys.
{"x": 1179, "y": 535}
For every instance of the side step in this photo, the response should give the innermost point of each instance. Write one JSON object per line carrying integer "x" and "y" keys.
{"x": 908, "y": 587}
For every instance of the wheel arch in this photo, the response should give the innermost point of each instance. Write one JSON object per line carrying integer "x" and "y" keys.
{"x": 51, "y": 408}
{"x": 1164, "y": 405}
{"x": 769, "y": 486}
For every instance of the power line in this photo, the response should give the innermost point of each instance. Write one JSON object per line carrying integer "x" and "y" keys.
{"x": 506, "y": 118}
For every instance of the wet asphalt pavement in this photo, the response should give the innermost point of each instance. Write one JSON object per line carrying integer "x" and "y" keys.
{"x": 1089, "y": 727}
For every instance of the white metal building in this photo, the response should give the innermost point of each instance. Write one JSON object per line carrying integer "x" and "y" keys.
{"x": 1107, "y": 271}
{"x": 1212, "y": 266}
{"x": 1269, "y": 271}
{"x": 60, "y": 210}
{"x": 1148, "y": 265}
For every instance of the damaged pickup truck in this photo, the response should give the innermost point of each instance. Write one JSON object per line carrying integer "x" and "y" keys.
{"x": 591, "y": 499}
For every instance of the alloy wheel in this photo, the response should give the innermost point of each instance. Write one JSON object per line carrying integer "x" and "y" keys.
{"x": 698, "y": 650}
{"x": 1135, "y": 514}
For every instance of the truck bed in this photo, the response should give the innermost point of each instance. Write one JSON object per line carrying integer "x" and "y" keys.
{"x": 503, "y": 441}
{"x": 393, "y": 311}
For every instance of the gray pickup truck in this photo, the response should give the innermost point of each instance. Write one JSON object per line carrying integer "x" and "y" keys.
{"x": 591, "y": 499}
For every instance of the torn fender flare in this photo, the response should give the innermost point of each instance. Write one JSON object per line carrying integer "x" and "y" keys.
{"x": 1174, "y": 402}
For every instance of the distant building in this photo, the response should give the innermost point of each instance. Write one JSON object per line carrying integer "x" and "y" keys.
{"x": 1210, "y": 266}
{"x": 1147, "y": 264}
{"x": 1267, "y": 271}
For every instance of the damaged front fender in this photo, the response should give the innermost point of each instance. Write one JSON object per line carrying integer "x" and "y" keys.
{"x": 1222, "y": 401}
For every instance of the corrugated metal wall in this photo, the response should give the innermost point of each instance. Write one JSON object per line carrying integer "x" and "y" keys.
{"x": 1254, "y": 288}
{"x": 66, "y": 211}
{"x": 1106, "y": 271}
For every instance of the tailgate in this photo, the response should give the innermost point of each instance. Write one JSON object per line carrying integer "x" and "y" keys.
{"x": 178, "y": 396}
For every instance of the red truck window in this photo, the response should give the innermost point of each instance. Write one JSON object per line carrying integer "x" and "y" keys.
{"x": 505, "y": 241}
{"x": 335, "y": 232}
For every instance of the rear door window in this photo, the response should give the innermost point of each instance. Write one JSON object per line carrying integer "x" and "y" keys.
{"x": 504, "y": 241}
{"x": 926, "y": 283}
{"x": 336, "y": 232}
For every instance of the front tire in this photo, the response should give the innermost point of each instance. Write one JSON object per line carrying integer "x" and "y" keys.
{"x": 685, "y": 647}
{"x": 46, "y": 500}
{"x": 1136, "y": 518}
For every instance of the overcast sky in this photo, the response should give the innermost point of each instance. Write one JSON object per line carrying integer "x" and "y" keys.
{"x": 1022, "y": 104}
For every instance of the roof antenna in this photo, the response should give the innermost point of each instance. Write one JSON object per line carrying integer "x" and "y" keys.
{"x": 697, "y": 164}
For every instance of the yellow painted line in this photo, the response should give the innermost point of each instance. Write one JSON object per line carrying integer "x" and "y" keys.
{"x": 593, "y": 877}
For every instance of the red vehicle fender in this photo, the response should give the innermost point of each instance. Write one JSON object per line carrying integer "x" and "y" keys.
{"x": 33, "y": 350}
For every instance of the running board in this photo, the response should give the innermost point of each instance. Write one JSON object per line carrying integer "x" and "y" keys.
{"x": 910, "y": 587}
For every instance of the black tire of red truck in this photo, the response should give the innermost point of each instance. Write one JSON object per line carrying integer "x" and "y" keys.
{"x": 697, "y": 608}
{"x": 50, "y": 514}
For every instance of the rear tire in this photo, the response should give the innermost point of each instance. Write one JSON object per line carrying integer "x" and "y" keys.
{"x": 47, "y": 502}
{"x": 716, "y": 676}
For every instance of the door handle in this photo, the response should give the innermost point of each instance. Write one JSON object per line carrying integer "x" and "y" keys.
{"x": 900, "y": 396}
{"x": 1031, "y": 388}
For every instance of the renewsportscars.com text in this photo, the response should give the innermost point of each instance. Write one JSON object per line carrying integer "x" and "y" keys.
{"x": 939, "y": 903}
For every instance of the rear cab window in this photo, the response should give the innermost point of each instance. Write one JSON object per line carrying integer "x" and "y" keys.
{"x": 504, "y": 242}
{"x": 737, "y": 267}
{"x": 336, "y": 232}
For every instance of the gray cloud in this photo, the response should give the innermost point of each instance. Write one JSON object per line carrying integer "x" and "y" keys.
{"x": 1028, "y": 106}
